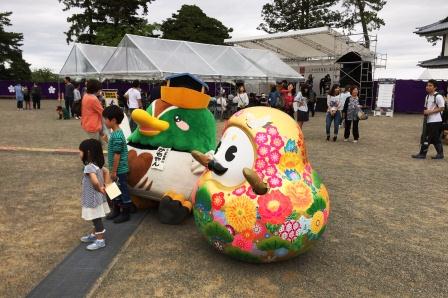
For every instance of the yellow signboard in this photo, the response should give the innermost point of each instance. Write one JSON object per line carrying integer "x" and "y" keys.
{"x": 110, "y": 96}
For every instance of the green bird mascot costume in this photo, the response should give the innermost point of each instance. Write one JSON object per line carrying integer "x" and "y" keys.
{"x": 161, "y": 167}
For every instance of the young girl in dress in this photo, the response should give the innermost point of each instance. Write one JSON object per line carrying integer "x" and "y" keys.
{"x": 93, "y": 200}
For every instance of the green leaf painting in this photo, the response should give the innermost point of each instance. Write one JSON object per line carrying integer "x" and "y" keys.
{"x": 273, "y": 243}
{"x": 216, "y": 231}
{"x": 318, "y": 204}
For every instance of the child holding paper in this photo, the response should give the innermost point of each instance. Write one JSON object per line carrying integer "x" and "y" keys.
{"x": 117, "y": 154}
{"x": 93, "y": 201}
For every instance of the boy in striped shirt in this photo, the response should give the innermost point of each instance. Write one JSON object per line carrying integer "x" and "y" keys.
{"x": 117, "y": 155}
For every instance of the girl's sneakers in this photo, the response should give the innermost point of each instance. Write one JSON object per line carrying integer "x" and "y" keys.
{"x": 88, "y": 239}
{"x": 96, "y": 245}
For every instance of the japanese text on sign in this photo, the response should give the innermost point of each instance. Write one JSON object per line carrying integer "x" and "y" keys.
{"x": 159, "y": 158}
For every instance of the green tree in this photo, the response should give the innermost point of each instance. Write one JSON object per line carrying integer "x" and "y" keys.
{"x": 42, "y": 75}
{"x": 365, "y": 13}
{"x": 190, "y": 23}
{"x": 285, "y": 15}
{"x": 12, "y": 64}
{"x": 104, "y": 22}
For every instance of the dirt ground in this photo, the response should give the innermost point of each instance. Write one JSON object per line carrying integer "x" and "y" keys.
{"x": 39, "y": 193}
{"x": 386, "y": 237}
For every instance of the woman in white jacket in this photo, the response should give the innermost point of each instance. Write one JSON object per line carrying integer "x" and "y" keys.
{"x": 300, "y": 106}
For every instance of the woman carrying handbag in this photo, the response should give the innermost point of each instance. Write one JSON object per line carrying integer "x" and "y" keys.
{"x": 352, "y": 113}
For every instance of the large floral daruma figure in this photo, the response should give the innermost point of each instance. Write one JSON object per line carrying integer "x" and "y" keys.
{"x": 260, "y": 200}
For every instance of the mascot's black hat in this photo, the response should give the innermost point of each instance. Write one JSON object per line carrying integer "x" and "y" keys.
{"x": 185, "y": 91}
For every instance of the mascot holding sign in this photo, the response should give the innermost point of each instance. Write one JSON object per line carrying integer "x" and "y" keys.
{"x": 161, "y": 167}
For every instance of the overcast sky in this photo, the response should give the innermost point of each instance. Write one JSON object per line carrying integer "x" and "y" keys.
{"x": 43, "y": 23}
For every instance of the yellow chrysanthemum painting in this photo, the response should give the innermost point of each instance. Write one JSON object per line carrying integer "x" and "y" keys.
{"x": 317, "y": 222}
{"x": 241, "y": 213}
{"x": 291, "y": 161}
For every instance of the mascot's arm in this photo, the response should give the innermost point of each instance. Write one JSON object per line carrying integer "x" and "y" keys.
{"x": 196, "y": 167}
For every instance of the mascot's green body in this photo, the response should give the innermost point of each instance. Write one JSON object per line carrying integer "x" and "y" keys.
{"x": 161, "y": 166}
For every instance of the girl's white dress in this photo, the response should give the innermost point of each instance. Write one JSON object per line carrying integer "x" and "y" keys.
{"x": 94, "y": 203}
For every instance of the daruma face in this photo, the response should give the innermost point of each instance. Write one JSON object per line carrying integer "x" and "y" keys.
{"x": 261, "y": 226}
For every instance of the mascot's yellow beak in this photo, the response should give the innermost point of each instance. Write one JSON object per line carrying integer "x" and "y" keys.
{"x": 148, "y": 125}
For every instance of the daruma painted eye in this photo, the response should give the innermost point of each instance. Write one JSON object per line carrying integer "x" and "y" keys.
{"x": 235, "y": 152}
{"x": 230, "y": 153}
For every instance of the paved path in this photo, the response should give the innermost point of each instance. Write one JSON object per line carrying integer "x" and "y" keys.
{"x": 79, "y": 271}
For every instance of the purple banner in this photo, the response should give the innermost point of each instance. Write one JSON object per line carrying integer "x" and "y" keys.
{"x": 410, "y": 95}
{"x": 51, "y": 90}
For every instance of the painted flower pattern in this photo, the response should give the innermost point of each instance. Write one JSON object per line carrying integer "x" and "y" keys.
{"x": 317, "y": 222}
{"x": 248, "y": 234}
{"x": 274, "y": 207}
{"x": 291, "y": 161}
{"x": 260, "y": 164}
{"x": 242, "y": 243}
{"x": 218, "y": 200}
{"x": 250, "y": 193}
{"x": 289, "y": 230}
{"x": 263, "y": 150}
{"x": 277, "y": 142}
{"x": 261, "y": 138}
{"x": 291, "y": 146}
{"x": 272, "y": 130}
{"x": 239, "y": 191}
{"x": 274, "y": 182}
{"x": 241, "y": 213}
{"x": 292, "y": 175}
{"x": 259, "y": 230}
{"x": 274, "y": 157}
{"x": 270, "y": 170}
{"x": 300, "y": 195}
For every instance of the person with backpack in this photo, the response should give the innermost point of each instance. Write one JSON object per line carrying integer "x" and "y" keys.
{"x": 432, "y": 122}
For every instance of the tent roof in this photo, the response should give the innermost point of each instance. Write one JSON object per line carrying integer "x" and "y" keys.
{"x": 86, "y": 59}
{"x": 435, "y": 74}
{"x": 315, "y": 43}
{"x": 146, "y": 57}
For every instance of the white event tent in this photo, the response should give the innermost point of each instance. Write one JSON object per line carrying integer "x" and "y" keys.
{"x": 86, "y": 60}
{"x": 435, "y": 74}
{"x": 138, "y": 57}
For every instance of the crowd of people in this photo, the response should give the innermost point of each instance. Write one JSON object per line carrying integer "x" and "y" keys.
{"x": 24, "y": 94}
{"x": 344, "y": 109}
